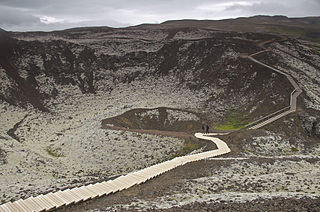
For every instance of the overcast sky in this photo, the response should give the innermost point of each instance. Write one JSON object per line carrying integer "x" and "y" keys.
{"x": 27, "y": 15}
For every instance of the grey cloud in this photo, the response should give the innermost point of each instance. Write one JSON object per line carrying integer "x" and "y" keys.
{"x": 313, "y": 7}
{"x": 290, "y": 8}
{"x": 11, "y": 17}
{"x": 259, "y": 8}
{"x": 24, "y": 14}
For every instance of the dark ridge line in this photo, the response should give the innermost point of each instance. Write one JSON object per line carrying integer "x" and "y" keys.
{"x": 11, "y": 132}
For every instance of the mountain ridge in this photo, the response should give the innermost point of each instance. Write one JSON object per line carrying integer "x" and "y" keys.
{"x": 298, "y": 27}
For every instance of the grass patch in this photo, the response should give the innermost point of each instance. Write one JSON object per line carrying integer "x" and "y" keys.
{"x": 235, "y": 121}
{"x": 294, "y": 149}
{"x": 229, "y": 126}
{"x": 126, "y": 122}
{"x": 54, "y": 153}
{"x": 188, "y": 147}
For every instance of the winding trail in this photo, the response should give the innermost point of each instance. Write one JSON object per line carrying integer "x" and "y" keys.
{"x": 71, "y": 196}
{"x": 293, "y": 96}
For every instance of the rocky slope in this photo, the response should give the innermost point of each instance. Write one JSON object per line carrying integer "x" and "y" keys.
{"x": 57, "y": 87}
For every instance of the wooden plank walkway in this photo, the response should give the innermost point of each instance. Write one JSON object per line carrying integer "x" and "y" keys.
{"x": 293, "y": 97}
{"x": 71, "y": 196}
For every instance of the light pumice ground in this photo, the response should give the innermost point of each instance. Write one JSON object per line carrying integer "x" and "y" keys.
{"x": 68, "y": 148}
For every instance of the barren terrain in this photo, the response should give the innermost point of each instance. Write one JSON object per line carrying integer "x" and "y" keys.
{"x": 86, "y": 105}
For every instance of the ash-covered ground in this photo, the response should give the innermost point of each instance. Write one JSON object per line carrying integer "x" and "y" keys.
{"x": 58, "y": 88}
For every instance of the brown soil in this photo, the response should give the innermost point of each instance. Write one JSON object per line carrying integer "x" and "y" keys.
{"x": 132, "y": 120}
{"x": 176, "y": 134}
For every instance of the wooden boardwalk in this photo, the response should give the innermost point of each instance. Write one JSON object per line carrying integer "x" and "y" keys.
{"x": 71, "y": 196}
{"x": 293, "y": 97}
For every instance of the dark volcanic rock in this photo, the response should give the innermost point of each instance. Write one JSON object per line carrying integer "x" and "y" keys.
{"x": 311, "y": 124}
{"x": 6, "y": 43}
{"x": 7, "y": 47}
{"x": 3, "y": 156}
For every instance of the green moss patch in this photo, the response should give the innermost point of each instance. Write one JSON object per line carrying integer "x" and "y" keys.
{"x": 54, "y": 153}
{"x": 188, "y": 147}
{"x": 235, "y": 121}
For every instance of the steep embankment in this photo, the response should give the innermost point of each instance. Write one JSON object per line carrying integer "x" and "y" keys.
{"x": 29, "y": 93}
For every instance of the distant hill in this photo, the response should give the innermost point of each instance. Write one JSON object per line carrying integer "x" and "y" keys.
{"x": 305, "y": 28}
